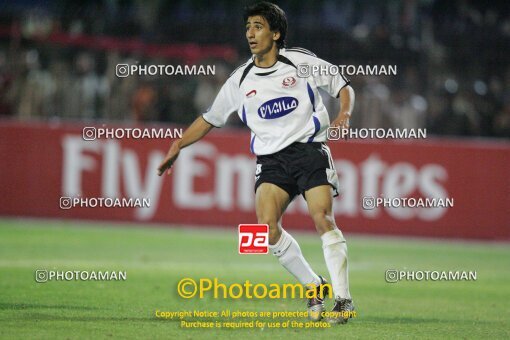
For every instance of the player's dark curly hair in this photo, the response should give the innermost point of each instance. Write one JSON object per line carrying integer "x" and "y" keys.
{"x": 274, "y": 15}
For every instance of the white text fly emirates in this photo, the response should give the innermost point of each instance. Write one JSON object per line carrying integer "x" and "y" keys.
{"x": 120, "y": 173}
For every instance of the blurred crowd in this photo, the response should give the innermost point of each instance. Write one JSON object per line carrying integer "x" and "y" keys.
{"x": 452, "y": 59}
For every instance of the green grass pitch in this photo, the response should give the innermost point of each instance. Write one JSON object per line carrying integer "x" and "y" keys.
{"x": 155, "y": 259}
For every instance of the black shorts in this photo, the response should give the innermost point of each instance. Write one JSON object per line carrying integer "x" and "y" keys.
{"x": 298, "y": 168}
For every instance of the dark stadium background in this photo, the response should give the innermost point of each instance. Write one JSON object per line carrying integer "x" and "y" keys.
{"x": 452, "y": 58}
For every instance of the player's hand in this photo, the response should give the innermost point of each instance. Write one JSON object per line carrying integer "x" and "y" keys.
{"x": 169, "y": 160}
{"x": 342, "y": 121}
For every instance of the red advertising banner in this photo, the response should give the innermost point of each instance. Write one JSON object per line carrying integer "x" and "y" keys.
{"x": 212, "y": 182}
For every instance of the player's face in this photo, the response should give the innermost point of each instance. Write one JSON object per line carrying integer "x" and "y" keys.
{"x": 260, "y": 38}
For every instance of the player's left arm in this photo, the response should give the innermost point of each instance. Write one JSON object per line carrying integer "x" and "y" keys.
{"x": 346, "y": 95}
{"x": 334, "y": 84}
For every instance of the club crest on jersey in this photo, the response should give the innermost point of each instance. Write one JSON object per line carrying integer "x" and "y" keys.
{"x": 278, "y": 107}
{"x": 251, "y": 93}
{"x": 289, "y": 82}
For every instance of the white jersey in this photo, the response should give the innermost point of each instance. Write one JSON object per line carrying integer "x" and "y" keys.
{"x": 279, "y": 107}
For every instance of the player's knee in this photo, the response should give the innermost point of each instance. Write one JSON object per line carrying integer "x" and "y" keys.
{"x": 268, "y": 219}
{"x": 264, "y": 219}
{"x": 274, "y": 230}
{"x": 323, "y": 221}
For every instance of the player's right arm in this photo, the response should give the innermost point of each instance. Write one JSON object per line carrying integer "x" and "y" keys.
{"x": 226, "y": 102}
{"x": 198, "y": 129}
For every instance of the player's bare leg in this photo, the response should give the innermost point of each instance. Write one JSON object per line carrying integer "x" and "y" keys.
{"x": 271, "y": 202}
{"x": 320, "y": 207}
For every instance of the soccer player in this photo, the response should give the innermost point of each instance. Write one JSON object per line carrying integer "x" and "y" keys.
{"x": 288, "y": 124}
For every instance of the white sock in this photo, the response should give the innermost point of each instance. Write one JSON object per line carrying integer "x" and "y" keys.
{"x": 289, "y": 254}
{"x": 335, "y": 254}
